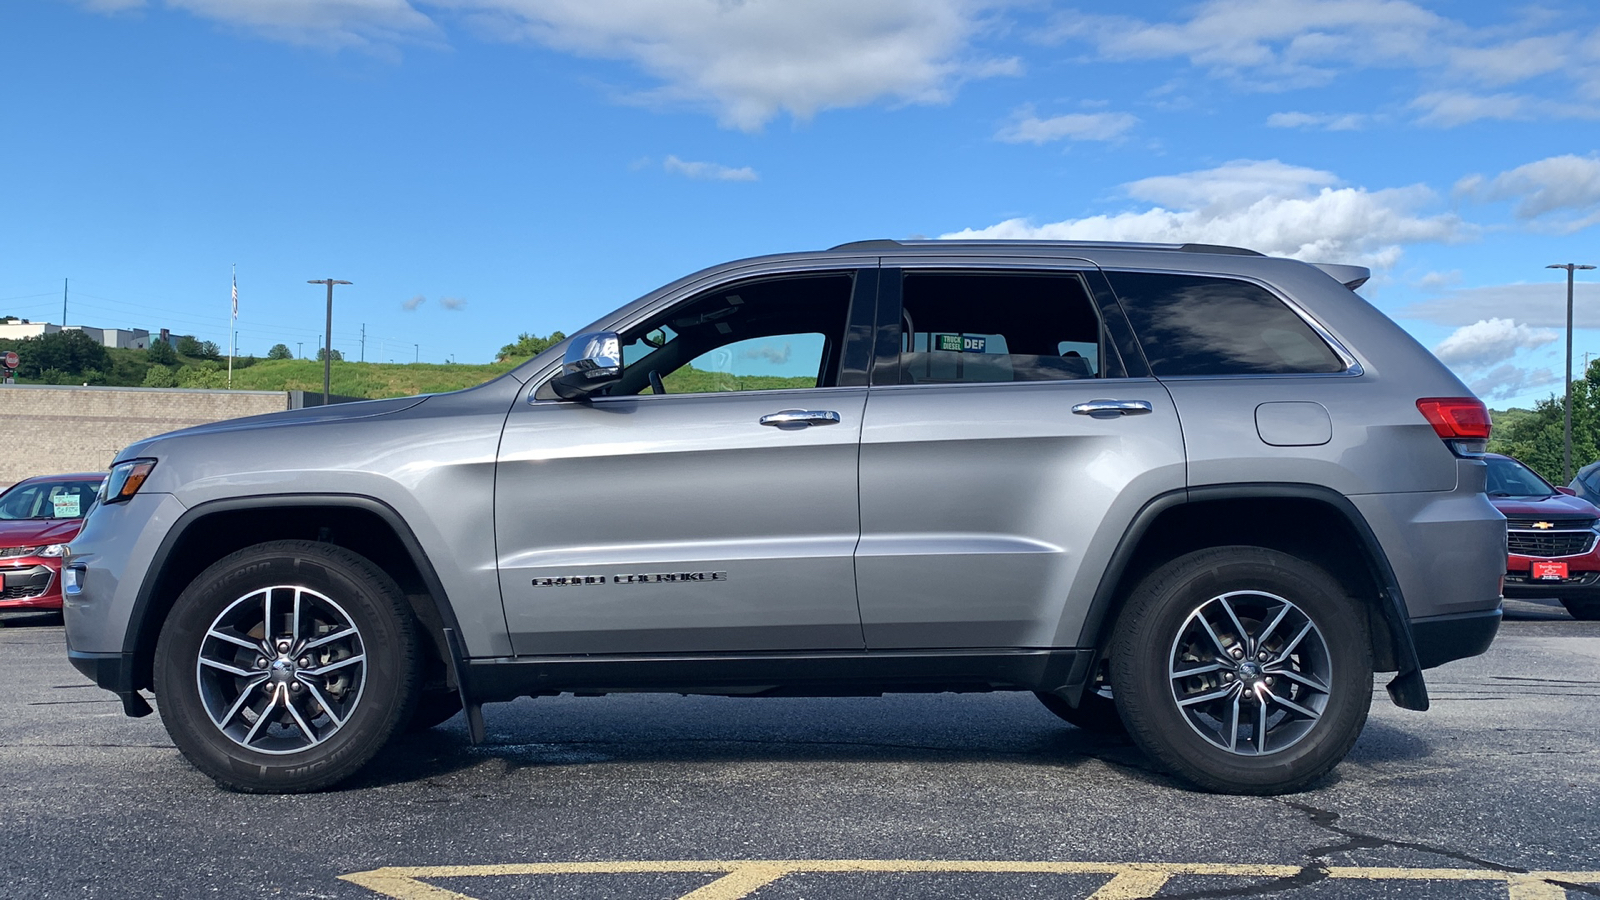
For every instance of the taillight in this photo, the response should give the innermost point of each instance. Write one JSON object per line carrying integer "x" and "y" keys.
{"x": 1461, "y": 422}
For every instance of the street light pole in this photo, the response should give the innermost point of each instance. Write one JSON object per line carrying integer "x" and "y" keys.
{"x": 327, "y": 350}
{"x": 1566, "y": 434}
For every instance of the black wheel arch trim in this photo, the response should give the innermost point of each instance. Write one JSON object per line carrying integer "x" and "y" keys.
{"x": 1408, "y": 689}
{"x": 138, "y": 619}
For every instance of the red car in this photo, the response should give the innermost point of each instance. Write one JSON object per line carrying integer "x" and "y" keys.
{"x": 38, "y": 516}
{"x": 1551, "y": 538}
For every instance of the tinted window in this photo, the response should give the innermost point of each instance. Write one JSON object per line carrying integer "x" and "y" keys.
{"x": 1194, "y": 325}
{"x": 49, "y": 500}
{"x": 757, "y": 335}
{"x": 986, "y": 327}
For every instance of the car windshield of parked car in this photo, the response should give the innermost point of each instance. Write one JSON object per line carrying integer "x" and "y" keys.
{"x": 49, "y": 500}
{"x": 1509, "y": 478}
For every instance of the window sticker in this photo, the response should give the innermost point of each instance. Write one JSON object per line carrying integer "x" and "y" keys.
{"x": 960, "y": 343}
{"x": 67, "y": 506}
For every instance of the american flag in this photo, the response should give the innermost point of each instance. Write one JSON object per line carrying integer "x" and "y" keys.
{"x": 236, "y": 295}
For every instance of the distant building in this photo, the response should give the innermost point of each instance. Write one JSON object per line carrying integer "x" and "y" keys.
{"x": 16, "y": 329}
{"x": 124, "y": 338}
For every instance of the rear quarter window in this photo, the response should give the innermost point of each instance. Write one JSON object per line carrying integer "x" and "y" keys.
{"x": 1200, "y": 325}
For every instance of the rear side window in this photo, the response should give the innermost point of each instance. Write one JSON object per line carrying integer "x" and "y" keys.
{"x": 1196, "y": 325}
{"x": 960, "y": 327}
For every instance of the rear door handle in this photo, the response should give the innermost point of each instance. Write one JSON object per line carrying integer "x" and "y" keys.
{"x": 792, "y": 418}
{"x": 1107, "y": 409}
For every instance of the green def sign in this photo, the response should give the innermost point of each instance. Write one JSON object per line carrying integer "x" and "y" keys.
{"x": 958, "y": 343}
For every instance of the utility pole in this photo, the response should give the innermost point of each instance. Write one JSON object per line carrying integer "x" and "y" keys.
{"x": 1566, "y": 434}
{"x": 63, "y": 303}
{"x": 363, "y": 342}
{"x": 300, "y": 349}
{"x": 418, "y": 349}
{"x": 327, "y": 356}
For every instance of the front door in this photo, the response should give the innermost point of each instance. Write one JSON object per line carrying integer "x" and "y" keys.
{"x": 708, "y": 501}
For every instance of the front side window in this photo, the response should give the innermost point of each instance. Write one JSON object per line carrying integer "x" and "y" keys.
{"x": 772, "y": 334}
{"x": 961, "y": 327}
{"x": 1199, "y": 325}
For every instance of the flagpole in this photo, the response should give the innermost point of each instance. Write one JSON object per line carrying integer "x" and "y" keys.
{"x": 233, "y": 323}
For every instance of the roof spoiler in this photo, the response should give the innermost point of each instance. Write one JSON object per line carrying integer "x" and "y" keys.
{"x": 1351, "y": 277}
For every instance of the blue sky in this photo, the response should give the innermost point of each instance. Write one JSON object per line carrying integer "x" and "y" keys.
{"x": 527, "y": 165}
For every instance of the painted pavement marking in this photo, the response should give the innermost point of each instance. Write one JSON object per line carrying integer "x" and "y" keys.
{"x": 1128, "y": 881}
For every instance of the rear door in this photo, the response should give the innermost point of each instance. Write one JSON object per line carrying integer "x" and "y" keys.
{"x": 1012, "y": 432}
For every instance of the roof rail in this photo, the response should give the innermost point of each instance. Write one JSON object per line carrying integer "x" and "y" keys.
{"x": 890, "y": 244}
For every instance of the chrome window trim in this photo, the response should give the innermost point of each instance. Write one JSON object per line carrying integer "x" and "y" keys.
{"x": 1352, "y": 365}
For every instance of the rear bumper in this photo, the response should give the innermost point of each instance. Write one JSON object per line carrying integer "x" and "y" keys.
{"x": 1440, "y": 639}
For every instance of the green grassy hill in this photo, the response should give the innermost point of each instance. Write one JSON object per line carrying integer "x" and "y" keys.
{"x": 371, "y": 380}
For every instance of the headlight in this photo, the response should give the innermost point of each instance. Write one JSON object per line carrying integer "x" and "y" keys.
{"x": 125, "y": 480}
{"x": 53, "y": 550}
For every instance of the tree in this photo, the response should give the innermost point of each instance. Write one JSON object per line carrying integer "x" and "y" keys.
{"x": 160, "y": 377}
{"x": 1536, "y": 436}
{"x": 322, "y": 353}
{"x": 188, "y": 346}
{"x": 162, "y": 354}
{"x": 279, "y": 351}
{"x": 529, "y": 345}
{"x": 67, "y": 353}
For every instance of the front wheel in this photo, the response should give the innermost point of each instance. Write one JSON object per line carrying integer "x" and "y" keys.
{"x": 1243, "y": 670}
{"x": 285, "y": 667}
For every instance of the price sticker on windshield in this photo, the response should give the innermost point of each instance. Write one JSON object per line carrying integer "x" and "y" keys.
{"x": 67, "y": 506}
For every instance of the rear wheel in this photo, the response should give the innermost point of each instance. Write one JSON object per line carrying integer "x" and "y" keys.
{"x": 286, "y": 666}
{"x": 1243, "y": 669}
{"x": 1585, "y": 610}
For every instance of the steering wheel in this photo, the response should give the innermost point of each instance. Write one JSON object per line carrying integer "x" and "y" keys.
{"x": 656, "y": 387}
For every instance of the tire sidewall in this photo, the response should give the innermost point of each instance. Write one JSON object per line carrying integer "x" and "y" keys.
{"x": 1143, "y": 643}
{"x": 388, "y": 694}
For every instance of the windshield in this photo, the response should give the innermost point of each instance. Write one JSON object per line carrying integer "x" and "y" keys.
{"x": 1509, "y": 478}
{"x": 49, "y": 499}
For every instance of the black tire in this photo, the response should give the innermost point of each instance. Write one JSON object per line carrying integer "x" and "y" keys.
{"x": 434, "y": 708}
{"x": 1583, "y": 610}
{"x": 1096, "y": 710}
{"x": 1186, "y": 717}
{"x": 307, "y": 706}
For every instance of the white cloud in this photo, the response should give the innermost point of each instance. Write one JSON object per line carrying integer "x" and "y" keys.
{"x": 1506, "y": 381}
{"x": 1276, "y": 45}
{"x": 1489, "y": 341}
{"x": 1027, "y": 128}
{"x": 708, "y": 171}
{"x": 1542, "y": 305}
{"x": 1434, "y": 281}
{"x": 325, "y": 23}
{"x": 452, "y": 303}
{"x": 1318, "y": 121}
{"x": 1564, "y": 191}
{"x": 112, "y": 6}
{"x": 412, "y": 304}
{"x": 750, "y": 61}
{"x": 1263, "y": 205}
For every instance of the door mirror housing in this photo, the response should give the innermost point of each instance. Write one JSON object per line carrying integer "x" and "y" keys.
{"x": 593, "y": 361}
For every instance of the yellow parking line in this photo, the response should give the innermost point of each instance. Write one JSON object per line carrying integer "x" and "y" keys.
{"x": 1128, "y": 880}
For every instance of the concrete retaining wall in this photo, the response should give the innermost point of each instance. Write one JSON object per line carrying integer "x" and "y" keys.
{"x": 49, "y": 429}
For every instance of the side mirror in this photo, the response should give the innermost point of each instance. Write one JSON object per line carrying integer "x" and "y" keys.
{"x": 593, "y": 361}
{"x": 1568, "y": 491}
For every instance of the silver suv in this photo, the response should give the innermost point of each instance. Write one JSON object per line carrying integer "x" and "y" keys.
{"x": 1187, "y": 491}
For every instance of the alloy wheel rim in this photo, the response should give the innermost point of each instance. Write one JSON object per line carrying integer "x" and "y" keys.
{"x": 1250, "y": 672}
{"x": 281, "y": 670}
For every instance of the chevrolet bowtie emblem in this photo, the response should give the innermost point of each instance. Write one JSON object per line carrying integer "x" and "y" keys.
{"x": 1543, "y": 525}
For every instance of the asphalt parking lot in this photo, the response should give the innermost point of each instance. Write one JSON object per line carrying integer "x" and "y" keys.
{"x": 1495, "y": 792}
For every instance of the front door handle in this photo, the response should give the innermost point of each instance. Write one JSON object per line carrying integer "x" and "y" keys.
{"x": 792, "y": 418}
{"x": 1109, "y": 409}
